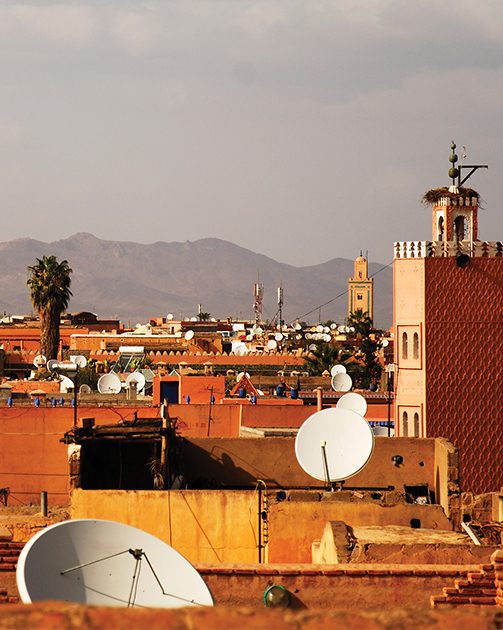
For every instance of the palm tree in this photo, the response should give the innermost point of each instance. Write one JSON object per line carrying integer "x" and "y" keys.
{"x": 49, "y": 284}
{"x": 360, "y": 321}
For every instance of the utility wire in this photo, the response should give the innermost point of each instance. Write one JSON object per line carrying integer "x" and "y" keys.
{"x": 316, "y": 308}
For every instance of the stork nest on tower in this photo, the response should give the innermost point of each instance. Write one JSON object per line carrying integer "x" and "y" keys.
{"x": 435, "y": 194}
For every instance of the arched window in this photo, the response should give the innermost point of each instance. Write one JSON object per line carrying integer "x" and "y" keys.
{"x": 416, "y": 424}
{"x": 415, "y": 346}
{"x": 460, "y": 228}
{"x": 405, "y": 424}
{"x": 405, "y": 345}
{"x": 440, "y": 230}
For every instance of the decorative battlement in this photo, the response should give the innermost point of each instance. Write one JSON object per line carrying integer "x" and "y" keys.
{"x": 447, "y": 249}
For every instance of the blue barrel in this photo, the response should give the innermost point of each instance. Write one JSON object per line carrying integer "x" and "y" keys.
{"x": 280, "y": 391}
{"x": 241, "y": 392}
{"x": 253, "y": 400}
{"x": 294, "y": 394}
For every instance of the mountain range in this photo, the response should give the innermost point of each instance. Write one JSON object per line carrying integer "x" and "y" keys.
{"x": 134, "y": 281}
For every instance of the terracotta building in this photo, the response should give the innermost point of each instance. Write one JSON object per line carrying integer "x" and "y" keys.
{"x": 448, "y": 325}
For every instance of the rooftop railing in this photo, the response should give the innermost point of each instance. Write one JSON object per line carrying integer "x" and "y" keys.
{"x": 446, "y": 249}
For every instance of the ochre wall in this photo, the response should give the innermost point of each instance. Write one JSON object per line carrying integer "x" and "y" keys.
{"x": 295, "y": 525}
{"x": 209, "y": 526}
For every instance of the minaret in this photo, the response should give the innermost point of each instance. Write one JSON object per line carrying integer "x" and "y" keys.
{"x": 454, "y": 209}
{"x": 360, "y": 289}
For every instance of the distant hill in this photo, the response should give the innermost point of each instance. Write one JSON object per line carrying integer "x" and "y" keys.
{"x": 134, "y": 281}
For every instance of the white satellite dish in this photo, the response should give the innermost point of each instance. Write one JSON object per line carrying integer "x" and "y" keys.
{"x": 39, "y": 360}
{"x": 333, "y": 326}
{"x": 109, "y": 384}
{"x": 337, "y": 369}
{"x": 169, "y": 316}
{"x": 85, "y": 389}
{"x": 259, "y": 331}
{"x": 355, "y": 402}
{"x": 341, "y": 328}
{"x": 342, "y": 435}
{"x": 326, "y": 337}
{"x": 342, "y": 382}
{"x": 298, "y": 337}
{"x": 65, "y": 385}
{"x": 240, "y": 349}
{"x": 79, "y": 360}
{"x": 298, "y": 326}
{"x": 313, "y": 347}
{"x": 52, "y": 364}
{"x": 326, "y": 329}
{"x": 241, "y": 375}
{"x": 278, "y": 336}
{"x": 189, "y": 335}
{"x": 319, "y": 328}
{"x": 272, "y": 344}
{"x": 138, "y": 378}
{"x": 384, "y": 343}
{"x": 102, "y": 563}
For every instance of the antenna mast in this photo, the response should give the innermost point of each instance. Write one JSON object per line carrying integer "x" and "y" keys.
{"x": 258, "y": 294}
{"x": 280, "y": 306}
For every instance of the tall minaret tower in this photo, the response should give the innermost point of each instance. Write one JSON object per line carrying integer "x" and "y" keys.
{"x": 360, "y": 289}
{"x": 454, "y": 209}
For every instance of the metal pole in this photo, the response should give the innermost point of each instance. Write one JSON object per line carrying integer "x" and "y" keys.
{"x": 43, "y": 503}
{"x": 75, "y": 397}
{"x": 259, "y": 529}
{"x": 389, "y": 404}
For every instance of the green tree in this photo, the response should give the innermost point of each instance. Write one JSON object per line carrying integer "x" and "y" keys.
{"x": 360, "y": 321}
{"x": 321, "y": 359}
{"x": 49, "y": 284}
{"x": 204, "y": 316}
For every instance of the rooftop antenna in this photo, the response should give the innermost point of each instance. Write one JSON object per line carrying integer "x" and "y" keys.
{"x": 280, "y": 306}
{"x": 258, "y": 294}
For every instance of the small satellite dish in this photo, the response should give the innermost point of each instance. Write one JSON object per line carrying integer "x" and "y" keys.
{"x": 384, "y": 343}
{"x": 298, "y": 326}
{"x": 319, "y": 328}
{"x": 52, "y": 364}
{"x": 337, "y": 369}
{"x": 189, "y": 335}
{"x": 298, "y": 337}
{"x": 326, "y": 329}
{"x": 240, "y": 349}
{"x": 259, "y": 331}
{"x": 342, "y": 382}
{"x": 326, "y": 337}
{"x": 333, "y": 326}
{"x": 278, "y": 336}
{"x": 102, "y": 563}
{"x": 341, "y": 328}
{"x": 109, "y": 384}
{"x": 85, "y": 389}
{"x": 39, "y": 360}
{"x": 313, "y": 347}
{"x": 241, "y": 375}
{"x": 138, "y": 378}
{"x": 272, "y": 344}
{"x": 66, "y": 384}
{"x": 342, "y": 435}
{"x": 169, "y": 316}
{"x": 79, "y": 360}
{"x": 308, "y": 335}
{"x": 355, "y": 402}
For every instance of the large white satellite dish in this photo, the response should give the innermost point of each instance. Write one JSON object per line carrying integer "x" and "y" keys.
{"x": 355, "y": 402}
{"x": 102, "y": 563}
{"x": 138, "y": 378}
{"x": 338, "y": 368}
{"x": 169, "y": 317}
{"x": 272, "y": 344}
{"x": 342, "y": 382}
{"x": 65, "y": 385}
{"x": 278, "y": 336}
{"x": 334, "y": 444}
{"x": 109, "y": 384}
{"x": 189, "y": 335}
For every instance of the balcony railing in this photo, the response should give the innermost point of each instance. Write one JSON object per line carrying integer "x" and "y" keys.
{"x": 446, "y": 249}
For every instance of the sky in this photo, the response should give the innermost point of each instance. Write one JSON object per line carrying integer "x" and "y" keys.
{"x": 304, "y": 131}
